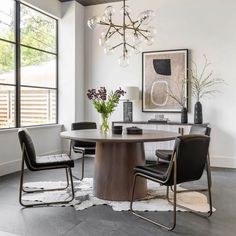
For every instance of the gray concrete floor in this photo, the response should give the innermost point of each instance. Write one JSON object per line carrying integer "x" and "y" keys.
{"x": 103, "y": 221}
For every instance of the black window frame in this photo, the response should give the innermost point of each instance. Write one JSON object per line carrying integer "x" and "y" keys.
{"x": 18, "y": 85}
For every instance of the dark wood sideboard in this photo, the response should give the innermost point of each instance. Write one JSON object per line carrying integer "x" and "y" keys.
{"x": 180, "y": 125}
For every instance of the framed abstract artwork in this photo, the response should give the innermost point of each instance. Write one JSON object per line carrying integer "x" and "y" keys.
{"x": 164, "y": 73}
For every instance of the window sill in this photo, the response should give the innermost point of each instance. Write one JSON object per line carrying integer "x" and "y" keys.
{"x": 13, "y": 130}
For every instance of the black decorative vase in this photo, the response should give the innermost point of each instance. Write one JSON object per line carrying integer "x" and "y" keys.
{"x": 198, "y": 113}
{"x": 184, "y": 115}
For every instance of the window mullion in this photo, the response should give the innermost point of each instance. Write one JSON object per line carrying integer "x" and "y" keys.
{"x": 17, "y": 61}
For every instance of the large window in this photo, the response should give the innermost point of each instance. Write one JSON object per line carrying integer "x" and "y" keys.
{"x": 28, "y": 66}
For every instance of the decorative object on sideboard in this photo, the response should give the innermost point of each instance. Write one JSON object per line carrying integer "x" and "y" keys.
{"x": 164, "y": 121}
{"x": 131, "y": 32}
{"x": 184, "y": 115}
{"x": 132, "y": 94}
{"x": 105, "y": 103}
{"x": 159, "y": 118}
{"x": 198, "y": 113}
{"x": 203, "y": 84}
{"x": 117, "y": 129}
{"x": 180, "y": 98}
{"x": 134, "y": 130}
{"x": 162, "y": 72}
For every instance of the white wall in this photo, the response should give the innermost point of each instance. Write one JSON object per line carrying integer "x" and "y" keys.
{"x": 204, "y": 27}
{"x": 52, "y": 7}
{"x": 67, "y": 64}
{"x": 79, "y": 62}
{"x": 46, "y": 138}
{"x": 71, "y": 64}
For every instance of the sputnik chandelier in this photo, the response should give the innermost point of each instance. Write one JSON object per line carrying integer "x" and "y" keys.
{"x": 130, "y": 33}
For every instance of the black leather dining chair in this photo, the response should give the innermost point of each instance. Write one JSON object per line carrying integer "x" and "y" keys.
{"x": 187, "y": 164}
{"x": 164, "y": 155}
{"x": 38, "y": 163}
{"x": 84, "y": 148}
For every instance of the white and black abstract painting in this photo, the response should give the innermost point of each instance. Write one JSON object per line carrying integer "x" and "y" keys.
{"x": 164, "y": 71}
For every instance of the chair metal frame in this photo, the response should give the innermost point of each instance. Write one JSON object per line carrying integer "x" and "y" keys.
{"x": 80, "y": 151}
{"x": 173, "y": 164}
{"x": 67, "y": 168}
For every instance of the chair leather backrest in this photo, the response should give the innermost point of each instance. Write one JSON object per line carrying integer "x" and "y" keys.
{"x": 199, "y": 129}
{"x": 29, "y": 154}
{"x": 191, "y": 153}
{"x": 83, "y": 126}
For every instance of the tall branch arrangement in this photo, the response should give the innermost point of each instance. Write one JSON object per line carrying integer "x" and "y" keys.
{"x": 203, "y": 84}
{"x": 180, "y": 97}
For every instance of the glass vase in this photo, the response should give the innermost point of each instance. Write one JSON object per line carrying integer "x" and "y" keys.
{"x": 104, "y": 126}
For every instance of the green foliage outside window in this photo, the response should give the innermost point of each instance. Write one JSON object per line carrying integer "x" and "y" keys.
{"x": 37, "y": 31}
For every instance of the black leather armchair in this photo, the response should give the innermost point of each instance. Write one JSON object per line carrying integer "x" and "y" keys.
{"x": 35, "y": 163}
{"x": 84, "y": 148}
{"x": 187, "y": 164}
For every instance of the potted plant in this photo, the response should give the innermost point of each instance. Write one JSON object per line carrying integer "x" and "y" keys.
{"x": 203, "y": 85}
{"x": 105, "y": 103}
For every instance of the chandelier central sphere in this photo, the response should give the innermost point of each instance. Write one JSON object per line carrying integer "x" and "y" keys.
{"x": 131, "y": 33}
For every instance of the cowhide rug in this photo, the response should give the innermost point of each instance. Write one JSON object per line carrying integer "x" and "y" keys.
{"x": 155, "y": 200}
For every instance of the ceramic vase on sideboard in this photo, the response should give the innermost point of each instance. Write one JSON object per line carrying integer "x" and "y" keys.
{"x": 198, "y": 113}
{"x": 184, "y": 115}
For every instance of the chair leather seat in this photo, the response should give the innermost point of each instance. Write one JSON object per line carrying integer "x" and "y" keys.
{"x": 87, "y": 150}
{"x": 54, "y": 161}
{"x": 164, "y": 154}
{"x": 158, "y": 171}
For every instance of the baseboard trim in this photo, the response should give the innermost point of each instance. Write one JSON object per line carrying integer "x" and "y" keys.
{"x": 14, "y": 166}
{"x": 216, "y": 161}
{"x": 10, "y": 167}
{"x": 222, "y": 161}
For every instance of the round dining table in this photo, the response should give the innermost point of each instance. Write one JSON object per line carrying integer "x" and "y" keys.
{"x": 115, "y": 159}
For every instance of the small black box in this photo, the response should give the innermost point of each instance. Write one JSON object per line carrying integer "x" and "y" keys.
{"x": 117, "y": 129}
{"x": 134, "y": 130}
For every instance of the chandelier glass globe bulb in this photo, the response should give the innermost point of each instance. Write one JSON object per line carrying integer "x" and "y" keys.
{"x": 137, "y": 39}
{"x": 129, "y": 33}
{"x": 108, "y": 50}
{"x": 109, "y": 11}
{"x": 103, "y": 40}
{"x": 151, "y": 31}
{"x": 124, "y": 61}
{"x": 145, "y": 17}
{"x": 127, "y": 10}
{"x": 149, "y": 41}
{"x": 93, "y": 22}
{"x": 137, "y": 49}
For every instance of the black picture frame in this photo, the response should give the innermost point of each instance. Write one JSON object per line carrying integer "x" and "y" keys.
{"x": 164, "y": 67}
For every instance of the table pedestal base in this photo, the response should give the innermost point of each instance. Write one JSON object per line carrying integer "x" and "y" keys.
{"x": 114, "y": 163}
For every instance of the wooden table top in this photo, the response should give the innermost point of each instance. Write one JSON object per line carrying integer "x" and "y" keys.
{"x": 97, "y": 136}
